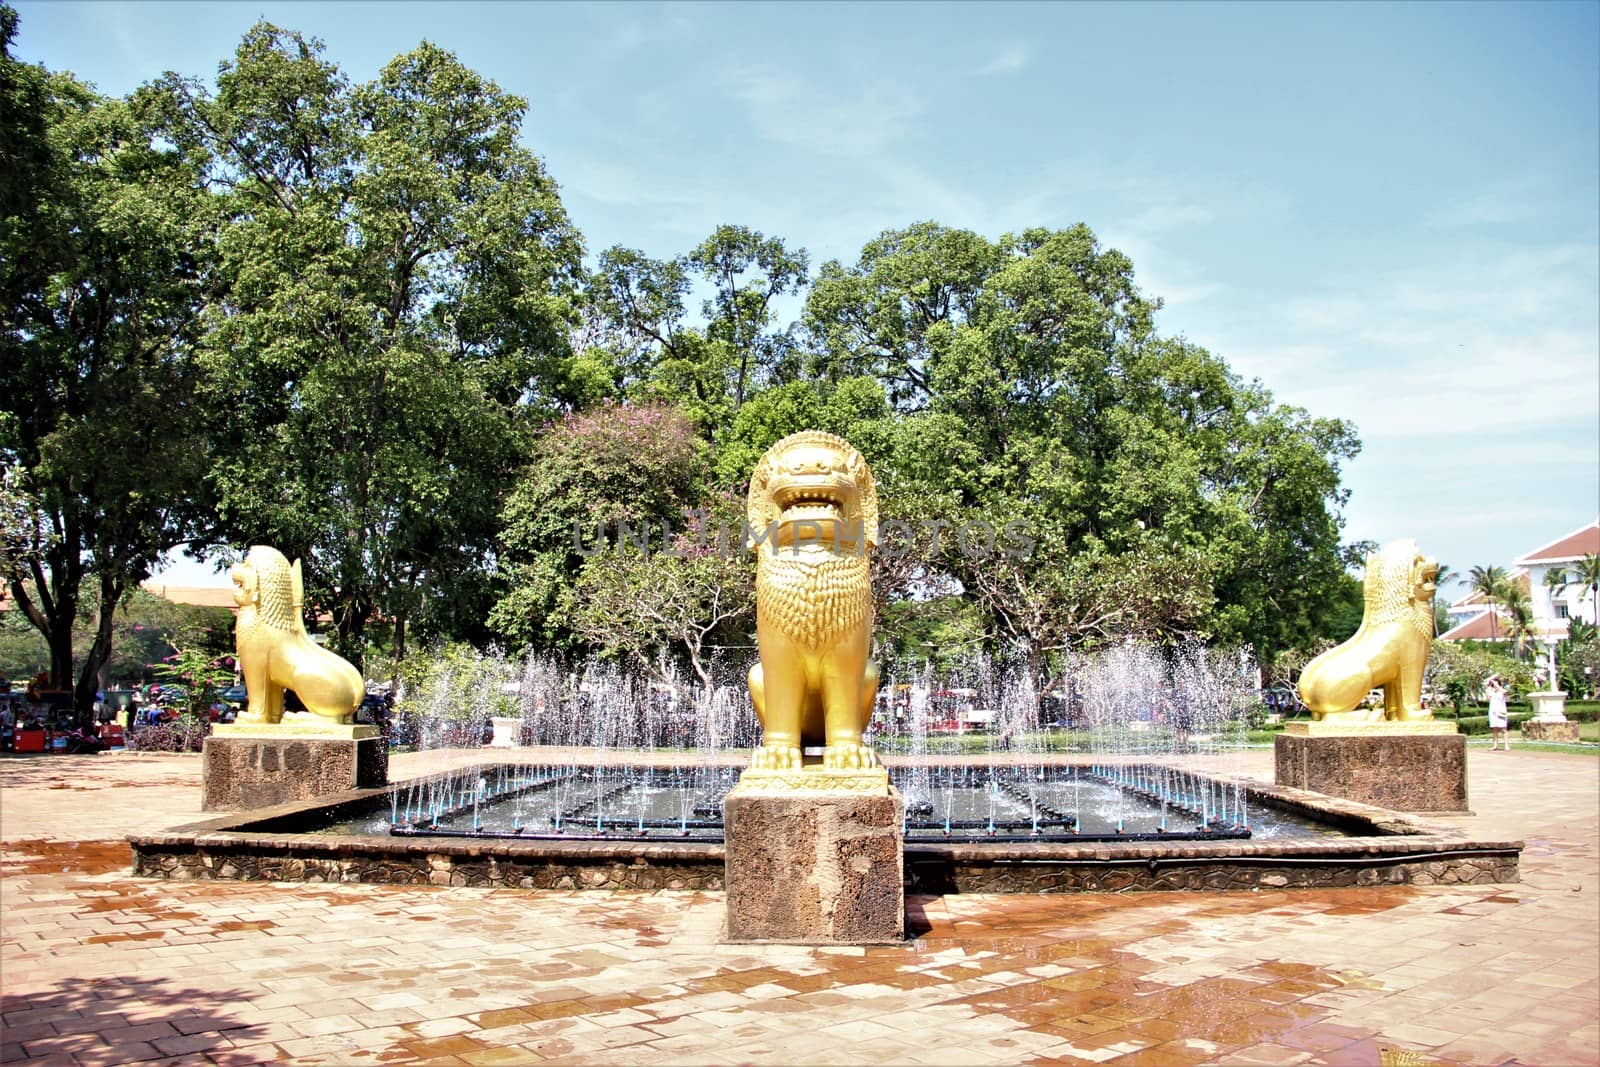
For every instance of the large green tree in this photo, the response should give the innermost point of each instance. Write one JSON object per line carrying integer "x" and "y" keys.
{"x": 605, "y": 492}
{"x": 104, "y": 242}
{"x": 396, "y": 281}
{"x": 1163, "y": 494}
{"x": 641, "y": 342}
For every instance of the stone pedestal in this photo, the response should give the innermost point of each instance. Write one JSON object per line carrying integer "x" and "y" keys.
{"x": 1548, "y": 705}
{"x": 259, "y": 766}
{"x": 814, "y": 866}
{"x": 507, "y": 731}
{"x": 1547, "y": 730}
{"x": 1401, "y": 766}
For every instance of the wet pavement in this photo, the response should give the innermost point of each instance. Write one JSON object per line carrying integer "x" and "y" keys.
{"x": 97, "y": 967}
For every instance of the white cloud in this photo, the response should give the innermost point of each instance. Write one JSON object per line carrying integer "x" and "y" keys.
{"x": 1010, "y": 60}
{"x": 1508, "y": 200}
{"x": 864, "y": 122}
{"x": 614, "y": 183}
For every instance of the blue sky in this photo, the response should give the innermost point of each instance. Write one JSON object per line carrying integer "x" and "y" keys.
{"x": 1387, "y": 213}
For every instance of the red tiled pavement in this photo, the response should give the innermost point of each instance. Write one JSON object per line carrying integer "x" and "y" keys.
{"x": 99, "y": 968}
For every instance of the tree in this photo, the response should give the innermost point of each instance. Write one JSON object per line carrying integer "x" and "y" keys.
{"x": 1490, "y": 581}
{"x": 102, "y": 265}
{"x": 398, "y": 274}
{"x": 1585, "y": 575}
{"x": 638, "y": 338}
{"x": 202, "y": 675}
{"x": 1579, "y": 659}
{"x": 1459, "y": 668}
{"x": 747, "y": 270}
{"x": 1519, "y": 616}
{"x": 1589, "y": 575}
{"x": 694, "y": 596}
{"x": 593, "y": 479}
{"x": 1130, "y": 457}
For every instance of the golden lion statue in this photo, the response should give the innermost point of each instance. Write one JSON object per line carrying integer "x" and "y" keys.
{"x": 1390, "y": 649}
{"x": 276, "y": 653}
{"x": 813, "y": 516}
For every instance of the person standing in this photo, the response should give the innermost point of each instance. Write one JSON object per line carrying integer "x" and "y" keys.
{"x": 1496, "y": 689}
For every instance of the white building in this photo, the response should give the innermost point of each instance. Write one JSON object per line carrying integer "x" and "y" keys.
{"x": 1552, "y": 609}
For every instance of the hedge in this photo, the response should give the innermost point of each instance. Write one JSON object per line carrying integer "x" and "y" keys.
{"x": 182, "y": 735}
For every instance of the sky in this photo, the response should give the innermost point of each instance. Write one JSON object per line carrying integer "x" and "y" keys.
{"x": 1387, "y": 213}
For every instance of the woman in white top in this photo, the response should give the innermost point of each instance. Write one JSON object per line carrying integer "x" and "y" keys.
{"x": 1497, "y": 713}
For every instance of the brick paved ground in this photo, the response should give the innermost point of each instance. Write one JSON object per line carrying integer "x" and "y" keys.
{"x": 97, "y": 967}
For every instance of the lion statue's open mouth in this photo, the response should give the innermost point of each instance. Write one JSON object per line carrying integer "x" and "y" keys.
{"x": 813, "y": 509}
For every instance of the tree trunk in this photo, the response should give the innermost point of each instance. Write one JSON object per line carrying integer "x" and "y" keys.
{"x": 399, "y": 649}
{"x": 350, "y": 628}
{"x": 60, "y": 641}
{"x": 99, "y": 648}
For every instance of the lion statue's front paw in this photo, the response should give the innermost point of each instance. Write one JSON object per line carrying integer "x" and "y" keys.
{"x": 776, "y": 758}
{"x": 849, "y": 757}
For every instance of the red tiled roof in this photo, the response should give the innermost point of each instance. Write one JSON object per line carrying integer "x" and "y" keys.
{"x": 1477, "y": 629}
{"x": 1576, "y": 545}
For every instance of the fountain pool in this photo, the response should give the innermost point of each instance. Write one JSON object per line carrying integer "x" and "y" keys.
{"x": 1067, "y": 802}
{"x": 617, "y": 783}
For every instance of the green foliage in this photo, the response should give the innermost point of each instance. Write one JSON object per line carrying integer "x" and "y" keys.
{"x": 1166, "y": 497}
{"x": 23, "y": 651}
{"x": 639, "y": 466}
{"x": 1578, "y": 659}
{"x": 104, "y": 247}
{"x": 1346, "y": 609}
{"x": 398, "y": 274}
{"x": 452, "y": 680}
{"x": 1459, "y": 668}
{"x": 148, "y": 628}
{"x": 638, "y": 337}
{"x": 203, "y": 678}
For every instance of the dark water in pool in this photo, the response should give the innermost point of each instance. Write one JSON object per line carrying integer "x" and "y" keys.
{"x": 942, "y": 804}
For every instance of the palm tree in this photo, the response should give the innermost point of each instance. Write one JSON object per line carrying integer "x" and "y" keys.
{"x": 1491, "y": 582}
{"x": 1586, "y": 576}
{"x": 1519, "y": 616}
{"x": 1589, "y": 575}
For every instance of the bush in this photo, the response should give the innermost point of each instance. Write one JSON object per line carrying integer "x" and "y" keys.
{"x": 183, "y": 735}
{"x": 1479, "y": 724}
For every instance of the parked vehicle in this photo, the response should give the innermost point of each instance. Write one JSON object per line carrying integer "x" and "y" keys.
{"x": 81, "y": 741}
{"x": 1280, "y": 698}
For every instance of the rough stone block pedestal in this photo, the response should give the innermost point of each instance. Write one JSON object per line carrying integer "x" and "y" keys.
{"x": 1548, "y": 730}
{"x": 1399, "y": 766}
{"x": 260, "y": 766}
{"x": 1549, "y": 722}
{"x": 813, "y": 867}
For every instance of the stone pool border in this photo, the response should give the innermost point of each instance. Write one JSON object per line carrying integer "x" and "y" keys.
{"x": 1389, "y": 849}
